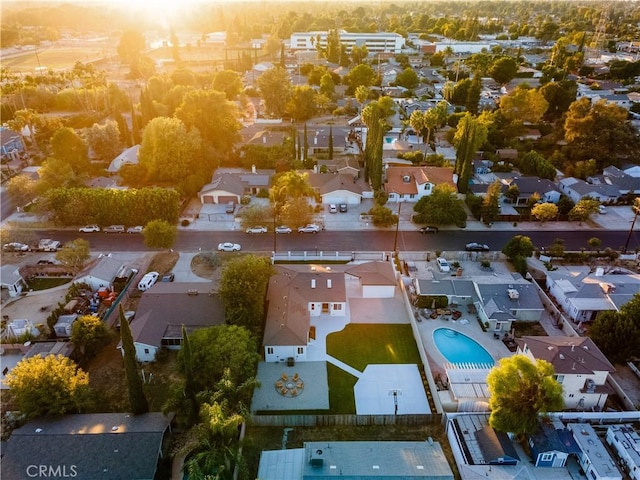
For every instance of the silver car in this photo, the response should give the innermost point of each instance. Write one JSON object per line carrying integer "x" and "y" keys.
{"x": 283, "y": 229}
{"x": 258, "y": 229}
{"x": 228, "y": 247}
{"x": 311, "y": 228}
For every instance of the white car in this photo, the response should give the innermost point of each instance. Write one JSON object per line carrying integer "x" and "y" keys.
{"x": 283, "y": 229}
{"x": 228, "y": 247}
{"x": 136, "y": 229}
{"x": 16, "y": 247}
{"x": 89, "y": 229}
{"x": 602, "y": 210}
{"x": 443, "y": 265}
{"x": 311, "y": 228}
{"x": 258, "y": 229}
{"x": 148, "y": 281}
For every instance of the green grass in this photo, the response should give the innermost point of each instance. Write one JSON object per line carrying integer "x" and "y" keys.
{"x": 359, "y": 345}
{"x": 45, "y": 283}
{"x": 341, "y": 385}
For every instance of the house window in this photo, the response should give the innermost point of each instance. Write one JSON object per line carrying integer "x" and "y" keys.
{"x": 560, "y": 379}
{"x": 146, "y": 350}
{"x": 547, "y": 457}
{"x": 337, "y": 306}
{"x": 300, "y": 350}
{"x": 270, "y": 350}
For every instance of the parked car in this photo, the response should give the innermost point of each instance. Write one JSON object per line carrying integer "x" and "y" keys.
{"x": 16, "y": 247}
{"x": 89, "y": 229}
{"x": 257, "y": 229}
{"x": 114, "y": 229}
{"x": 333, "y": 208}
{"x": 169, "y": 277}
{"x": 283, "y": 229}
{"x": 429, "y": 229}
{"x": 476, "y": 247}
{"x": 148, "y": 281}
{"x": 311, "y": 228}
{"x": 128, "y": 316}
{"x": 136, "y": 229}
{"x": 443, "y": 265}
{"x": 343, "y": 208}
{"x": 228, "y": 247}
{"x": 45, "y": 262}
{"x": 231, "y": 207}
{"x": 602, "y": 210}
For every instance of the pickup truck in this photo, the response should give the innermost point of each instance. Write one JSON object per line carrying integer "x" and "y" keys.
{"x": 48, "y": 245}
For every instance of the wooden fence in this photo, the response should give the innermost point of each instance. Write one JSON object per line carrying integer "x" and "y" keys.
{"x": 342, "y": 420}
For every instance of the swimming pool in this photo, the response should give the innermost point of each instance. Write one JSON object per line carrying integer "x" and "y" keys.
{"x": 456, "y": 347}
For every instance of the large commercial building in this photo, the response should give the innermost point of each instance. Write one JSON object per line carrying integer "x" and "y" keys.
{"x": 381, "y": 42}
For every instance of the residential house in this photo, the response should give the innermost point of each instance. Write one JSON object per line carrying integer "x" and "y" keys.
{"x": 480, "y": 446}
{"x": 165, "y": 308}
{"x": 97, "y": 446}
{"x": 265, "y": 138}
{"x": 582, "y": 293}
{"x": 551, "y": 446}
{"x": 594, "y": 459}
{"x": 581, "y": 368}
{"x": 577, "y": 189}
{"x": 357, "y": 460}
{"x": 530, "y": 134}
{"x": 101, "y": 273}
{"x": 11, "y": 279}
{"x": 342, "y": 165}
{"x": 410, "y": 184}
{"x": 319, "y": 140}
{"x": 11, "y": 145}
{"x": 632, "y": 169}
{"x": 466, "y": 389}
{"x": 507, "y": 154}
{"x": 340, "y": 188}
{"x": 127, "y": 157}
{"x": 528, "y": 186}
{"x": 625, "y": 441}
{"x": 458, "y": 292}
{"x": 376, "y": 279}
{"x": 231, "y": 184}
{"x": 501, "y": 304}
{"x": 618, "y": 99}
{"x": 296, "y": 295}
{"x": 626, "y": 183}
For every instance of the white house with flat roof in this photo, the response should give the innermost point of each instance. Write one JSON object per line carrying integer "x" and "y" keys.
{"x": 376, "y": 42}
{"x": 594, "y": 458}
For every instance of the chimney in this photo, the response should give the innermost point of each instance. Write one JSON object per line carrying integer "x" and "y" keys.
{"x": 315, "y": 140}
{"x": 328, "y": 283}
{"x": 313, "y": 283}
{"x": 253, "y": 169}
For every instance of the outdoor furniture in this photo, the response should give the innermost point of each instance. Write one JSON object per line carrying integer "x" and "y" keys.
{"x": 294, "y": 392}
{"x": 295, "y": 377}
{"x": 284, "y": 377}
{"x": 279, "y": 384}
{"x": 283, "y": 390}
{"x": 300, "y": 384}
{"x": 456, "y": 314}
{"x": 496, "y": 336}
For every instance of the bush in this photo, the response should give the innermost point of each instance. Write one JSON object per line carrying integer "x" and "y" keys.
{"x": 520, "y": 264}
{"x": 185, "y": 223}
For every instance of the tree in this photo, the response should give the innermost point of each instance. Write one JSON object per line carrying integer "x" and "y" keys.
{"x": 532, "y": 163}
{"x": 68, "y": 146}
{"x": 159, "y": 234}
{"x": 513, "y": 192}
{"x": 56, "y": 173}
{"x": 327, "y": 85}
{"x": 470, "y": 134}
{"x": 137, "y": 399}
{"x": 518, "y": 246}
{"x": 617, "y": 334}
{"x": 217, "y": 349}
{"x": 131, "y": 45}
{"x": 543, "y": 212}
{"x": 382, "y": 216}
{"x": 503, "y": 70}
{"x": 275, "y": 90}
{"x": 89, "y": 334}
{"x": 362, "y": 93}
{"x": 228, "y": 82}
{"x": 53, "y": 385}
{"x": 361, "y": 75}
{"x": 242, "y": 290}
{"x": 75, "y": 253}
{"x": 359, "y": 53}
{"x": 302, "y": 105}
{"x": 168, "y": 150}
{"x": 559, "y": 96}
{"x": 594, "y": 243}
{"x": 442, "y": 207}
{"x": 491, "y": 203}
{"x": 408, "y": 79}
{"x": 22, "y": 188}
{"x": 295, "y": 212}
{"x": 584, "y": 209}
{"x": 104, "y": 140}
{"x": 520, "y": 390}
{"x": 524, "y": 105}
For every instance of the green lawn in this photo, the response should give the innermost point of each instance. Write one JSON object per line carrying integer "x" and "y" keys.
{"x": 43, "y": 283}
{"x": 359, "y": 345}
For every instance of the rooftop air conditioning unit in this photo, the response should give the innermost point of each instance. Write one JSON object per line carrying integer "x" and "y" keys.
{"x": 513, "y": 294}
{"x": 317, "y": 458}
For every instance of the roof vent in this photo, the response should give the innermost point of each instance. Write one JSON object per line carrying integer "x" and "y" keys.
{"x": 599, "y": 272}
{"x": 406, "y": 178}
{"x": 38, "y": 430}
{"x": 513, "y": 294}
{"x": 561, "y": 356}
{"x": 317, "y": 458}
{"x": 328, "y": 283}
{"x": 114, "y": 428}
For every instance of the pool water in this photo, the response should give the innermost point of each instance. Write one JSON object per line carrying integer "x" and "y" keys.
{"x": 458, "y": 348}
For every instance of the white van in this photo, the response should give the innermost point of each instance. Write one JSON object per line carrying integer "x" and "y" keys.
{"x": 148, "y": 281}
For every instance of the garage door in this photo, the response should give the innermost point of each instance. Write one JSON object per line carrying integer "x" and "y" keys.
{"x": 222, "y": 199}
{"x": 207, "y": 199}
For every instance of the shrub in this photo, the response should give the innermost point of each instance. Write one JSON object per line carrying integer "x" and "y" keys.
{"x": 185, "y": 223}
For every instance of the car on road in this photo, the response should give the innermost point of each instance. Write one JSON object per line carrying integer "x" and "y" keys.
{"x": 136, "y": 229}
{"x": 310, "y": 228}
{"x": 148, "y": 281}
{"x": 257, "y": 229}
{"x": 443, "y": 265}
{"x": 89, "y": 229}
{"x": 429, "y": 229}
{"x": 16, "y": 247}
{"x": 228, "y": 247}
{"x": 114, "y": 229}
{"x": 602, "y": 210}
{"x": 476, "y": 247}
{"x": 343, "y": 208}
{"x": 283, "y": 229}
{"x": 169, "y": 277}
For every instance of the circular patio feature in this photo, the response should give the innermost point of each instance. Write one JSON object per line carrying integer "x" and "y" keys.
{"x": 289, "y": 386}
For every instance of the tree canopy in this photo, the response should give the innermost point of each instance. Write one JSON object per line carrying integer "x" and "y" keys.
{"x": 519, "y": 245}
{"x": 617, "y": 334}
{"x": 159, "y": 234}
{"x": 52, "y": 385}
{"x": 75, "y": 253}
{"x": 442, "y": 207}
{"x": 520, "y": 390}
{"x": 89, "y": 334}
{"x": 275, "y": 90}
